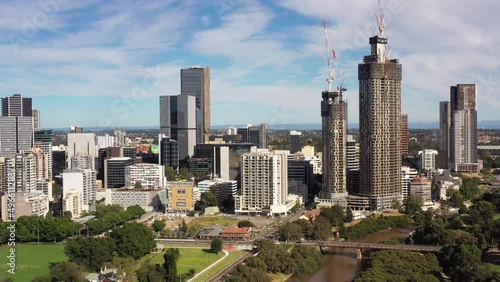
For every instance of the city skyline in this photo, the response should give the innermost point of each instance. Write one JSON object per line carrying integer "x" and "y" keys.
{"x": 71, "y": 64}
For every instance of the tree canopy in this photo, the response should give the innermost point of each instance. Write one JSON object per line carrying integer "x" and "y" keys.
{"x": 133, "y": 240}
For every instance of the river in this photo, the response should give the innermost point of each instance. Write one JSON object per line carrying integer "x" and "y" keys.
{"x": 342, "y": 265}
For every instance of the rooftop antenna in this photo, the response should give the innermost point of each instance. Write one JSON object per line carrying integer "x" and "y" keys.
{"x": 380, "y": 19}
{"x": 331, "y": 69}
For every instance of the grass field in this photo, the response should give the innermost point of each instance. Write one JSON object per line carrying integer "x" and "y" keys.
{"x": 493, "y": 267}
{"x": 233, "y": 255}
{"x": 31, "y": 260}
{"x": 201, "y": 222}
{"x": 193, "y": 257}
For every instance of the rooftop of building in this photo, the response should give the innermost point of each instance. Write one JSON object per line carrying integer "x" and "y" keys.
{"x": 421, "y": 179}
{"x": 235, "y": 230}
{"x": 124, "y": 189}
{"x": 118, "y": 159}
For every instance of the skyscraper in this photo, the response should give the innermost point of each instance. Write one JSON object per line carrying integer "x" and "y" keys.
{"x": 463, "y": 130}
{"x": 16, "y": 106}
{"x": 334, "y": 127}
{"x": 81, "y": 144}
{"x": 352, "y": 165}
{"x": 444, "y": 134}
{"x": 169, "y": 152}
{"x": 380, "y": 125}
{"x": 43, "y": 141}
{"x": 195, "y": 81}
{"x": 16, "y": 135}
{"x": 178, "y": 121}
{"x": 120, "y": 135}
{"x": 404, "y": 135}
{"x": 36, "y": 119}
{"x": 257, "y": 135}
{"x": 295, "y": 144}
{"x": 16, "y": 125}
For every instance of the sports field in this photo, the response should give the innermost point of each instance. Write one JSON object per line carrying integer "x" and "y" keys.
{"x": 32, "y": 260}
{"x": 191, "y": 257}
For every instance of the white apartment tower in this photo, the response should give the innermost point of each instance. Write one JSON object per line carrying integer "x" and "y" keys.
{"x": 427, "y": 159}
{"x": 150, "y": 176}
{"x": 264, "y": 182}
{"x": 83, "y": 180}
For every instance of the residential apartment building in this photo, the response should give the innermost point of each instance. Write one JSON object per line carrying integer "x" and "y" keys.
{"x": 73, "y": 203}
{"x": 82, "y": 180}
{"x": 421, "y": 187}
{"x": 427, "y": 160}
{"x": 264, "y": 184}
{"x": 380, "y": 125}
{"x": 150, "y": 176}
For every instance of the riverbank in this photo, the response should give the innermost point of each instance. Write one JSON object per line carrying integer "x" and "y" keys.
{"x": 342, "y": 264}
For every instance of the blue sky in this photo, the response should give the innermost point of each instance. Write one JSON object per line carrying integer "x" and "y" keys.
{"x": 104, "y": 63}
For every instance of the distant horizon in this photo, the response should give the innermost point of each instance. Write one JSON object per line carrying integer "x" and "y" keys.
{"x": 487, "y": 124}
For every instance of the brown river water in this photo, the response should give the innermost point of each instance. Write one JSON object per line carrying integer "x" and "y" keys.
{"x": 341, "y": 265}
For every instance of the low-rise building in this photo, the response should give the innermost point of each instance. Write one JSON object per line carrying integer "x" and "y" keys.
{"x": 180, "y": 197}
{"x": 421, "y": 187}
{"x": 235, "y": 234}
{"x": 148, "y": 199}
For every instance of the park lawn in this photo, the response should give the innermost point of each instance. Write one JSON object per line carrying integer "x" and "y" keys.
{"x": 194, "y": 257}
{"x": 32, "y": 260}
{"x": 233, "y": 255}
{"x": 496, "y": 216}
{"x": 493, "y": 267}
{"x": 201, "y": 222}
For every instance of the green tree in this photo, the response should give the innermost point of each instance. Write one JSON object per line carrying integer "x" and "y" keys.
{"x": 245, "y": 223}
{"x": 396, "y": 205}
{"x": 67, "y": 271}
{"x": 470, "y": 187}
{"x": 216, "y": 246}
{"x": 159, "y": 225}
{"x": 123, "y": 265}
{"x": 321, "y": 229}
{"x": 455, "y": 199}
{"x": 170, "y": 173}
{"x": 150, "y": 273}
{"x": 307, "y": 259}
{"x": 399, "y": 265}
{"x": 170, "y": 265}
{"x": 133, "y": 240}
{"x": 138, "y": 185}
{"x": 244, "y": 273}
{"x": 183, "y": 227}
{"x": 349, "y": 215}
{"x": 413, "y": 205}
{"x": 207, "y": 199}
{"x": 135, "y": 212}
{"x": 89, "y": 252}
{"x": 290, "y": 231}
{"x": 461, "y": 261}
{"x": 185, "y": 174}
